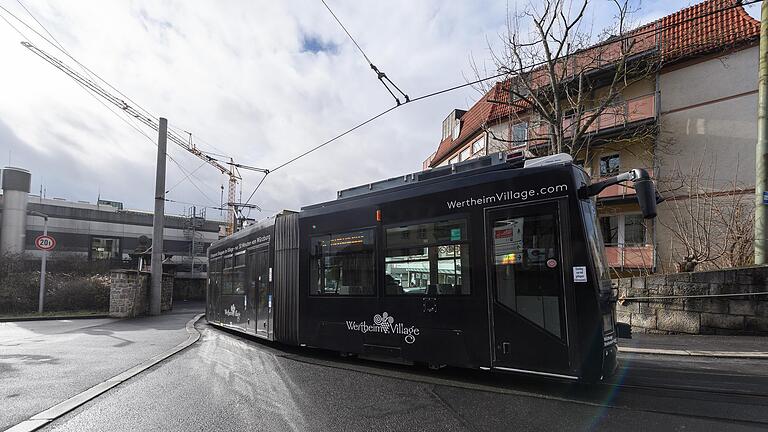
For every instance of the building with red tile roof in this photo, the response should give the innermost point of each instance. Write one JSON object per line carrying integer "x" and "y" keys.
{"x": 700, "y": 99}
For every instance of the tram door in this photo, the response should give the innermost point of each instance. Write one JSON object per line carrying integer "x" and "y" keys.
{"x": 259, "y": 294}
{"x": 525, "y": 260}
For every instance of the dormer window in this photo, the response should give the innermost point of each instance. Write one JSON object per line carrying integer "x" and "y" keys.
{"x": 452, "y": 125}
{"x": 446, "y": 127}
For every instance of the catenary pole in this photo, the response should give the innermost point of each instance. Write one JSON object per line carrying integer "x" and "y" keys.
{"x": 158, "y": 220}
{"x": 761, "y": 150}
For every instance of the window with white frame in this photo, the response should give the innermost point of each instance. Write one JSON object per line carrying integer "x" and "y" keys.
{"x": 478, "y": 146}
{"x": 609, "y": 165}
{"x": 465, "y": 154}
{"x": 624, "y": 230}
{"x": 454, "y": 160}
{"x": 520, "y": 133}
{"x": 634, "y": 230}
{"x": 447, "y": 127}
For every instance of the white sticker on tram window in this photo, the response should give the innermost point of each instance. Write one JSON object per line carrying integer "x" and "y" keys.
{"x": 579, "y": 274}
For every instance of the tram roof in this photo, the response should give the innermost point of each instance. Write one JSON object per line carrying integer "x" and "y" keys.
{"x": 493, "y": 162}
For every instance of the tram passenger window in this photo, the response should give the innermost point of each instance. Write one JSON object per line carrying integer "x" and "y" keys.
{"x": 214, "y": 270}
{"x": 343, "y": 264}
{"x": 428, "y": 259}
{"x": 238, "y": 274}
{"x": 226, "y": 277}
{"x": 527, "y": 271}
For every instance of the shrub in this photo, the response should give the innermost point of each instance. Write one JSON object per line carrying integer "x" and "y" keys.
{"x": 71, "y": 284}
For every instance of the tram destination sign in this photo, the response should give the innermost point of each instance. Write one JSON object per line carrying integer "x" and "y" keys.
{"x": 45, "y": 242}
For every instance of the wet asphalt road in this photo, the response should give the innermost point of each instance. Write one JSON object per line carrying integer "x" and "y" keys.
{"x": 228, "y": 382}
{"x": 45, "y": 362}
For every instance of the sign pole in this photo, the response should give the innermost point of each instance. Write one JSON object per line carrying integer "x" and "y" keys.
{"x": 42, "y": 271}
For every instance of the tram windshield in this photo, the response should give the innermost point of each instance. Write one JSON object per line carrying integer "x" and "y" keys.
{"x": 594, "y": 237}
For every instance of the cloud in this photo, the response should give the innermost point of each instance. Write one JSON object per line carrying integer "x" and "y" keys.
{"x": 259, "y": 81}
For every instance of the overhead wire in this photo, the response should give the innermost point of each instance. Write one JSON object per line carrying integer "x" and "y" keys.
{"x": 379, "y": 74}
{"x": 425, "y": 96}
{"x": 88, "y": 72}
{"x": 631, "y": 35}
{"x": 197, "y": 138}
{"x": 185, "y": 177}
{"x": 144, "y": 111}
{"x": 61, "y": 48}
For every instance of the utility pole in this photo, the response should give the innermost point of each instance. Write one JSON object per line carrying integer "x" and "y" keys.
{"x": 194, "y": 234}
{"x": 761, "y": 150}
{"x": 158, "y": 221}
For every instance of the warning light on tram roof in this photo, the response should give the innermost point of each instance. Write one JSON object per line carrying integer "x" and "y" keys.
{"x": 378, "y": 215}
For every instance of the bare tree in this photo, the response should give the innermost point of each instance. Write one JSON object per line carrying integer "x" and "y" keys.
{"x": 710, "y": 220}
{"x": 562, "y": 82}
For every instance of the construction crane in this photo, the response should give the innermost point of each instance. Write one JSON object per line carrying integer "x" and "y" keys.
{"x": 231, "y": 171}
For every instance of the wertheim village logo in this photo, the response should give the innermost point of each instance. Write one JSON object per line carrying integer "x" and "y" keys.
{"x": 385, "y": 323}
{"x": 232, "y": 312}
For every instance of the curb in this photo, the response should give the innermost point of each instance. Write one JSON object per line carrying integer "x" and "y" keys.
{"x": 697, "y": 353}
{"x": 52, "y": 318}
{"x": 43, "y": 418}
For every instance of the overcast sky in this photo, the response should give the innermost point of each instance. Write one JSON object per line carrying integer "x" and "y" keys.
{"x": 261, "y": 81}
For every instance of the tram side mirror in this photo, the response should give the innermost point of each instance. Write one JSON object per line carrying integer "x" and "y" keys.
{"x": 645, "y": 191}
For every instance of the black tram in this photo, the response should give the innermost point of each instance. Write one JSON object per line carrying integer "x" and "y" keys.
{"x": 495, "y": 263}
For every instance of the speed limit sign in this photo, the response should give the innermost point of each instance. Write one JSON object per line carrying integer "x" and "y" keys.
{"x": 45, "y": 242}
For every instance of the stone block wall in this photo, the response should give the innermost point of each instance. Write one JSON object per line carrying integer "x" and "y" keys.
{"x": 130, "y": 290}
{"x": 696, "y": 303}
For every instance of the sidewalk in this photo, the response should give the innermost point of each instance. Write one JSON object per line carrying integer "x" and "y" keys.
{"x": 43, "y": 363}
{"x": 751, "y": 347}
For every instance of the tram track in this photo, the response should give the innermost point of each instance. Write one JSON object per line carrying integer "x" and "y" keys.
{"x": 687, "y": 389}
{"x": 698, "y": 402}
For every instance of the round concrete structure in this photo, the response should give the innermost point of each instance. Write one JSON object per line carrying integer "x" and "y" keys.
{"x": 16, "y": 183}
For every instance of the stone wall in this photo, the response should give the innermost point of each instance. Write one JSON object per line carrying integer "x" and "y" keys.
{"x": 712, "y": 302}
{"x": 129, "y": 293}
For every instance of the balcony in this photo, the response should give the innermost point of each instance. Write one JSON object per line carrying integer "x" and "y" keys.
{"x": 619, "y": 115}
{"x": 638, "y": 257}
{"x": 624, "y": 114}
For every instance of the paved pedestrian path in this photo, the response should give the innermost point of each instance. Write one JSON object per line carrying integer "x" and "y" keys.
{"x": 43, "y": 363}
{"x": 755, "y": 347}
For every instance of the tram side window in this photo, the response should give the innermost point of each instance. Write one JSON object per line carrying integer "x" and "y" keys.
{"x": 428, "y": 259}
{"x": 214, "y": 269}
{"x": 343, "y": 264}
{"x": 238, "y": 274}
{"x": 226, "y": 277}
{"x": 526, "y": 254}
